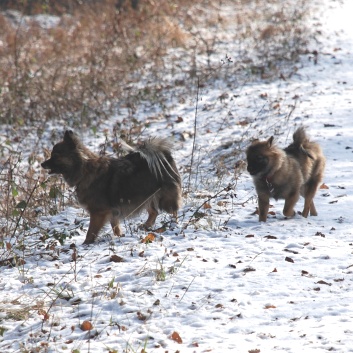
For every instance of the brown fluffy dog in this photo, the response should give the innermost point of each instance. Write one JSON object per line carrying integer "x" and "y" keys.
{"x": 286, "y": 174}
{"x": 111, "y": 189}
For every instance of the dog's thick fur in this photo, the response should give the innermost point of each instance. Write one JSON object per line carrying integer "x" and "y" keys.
{"x": 286, "y": 174}
{"x": 111, "y": 189}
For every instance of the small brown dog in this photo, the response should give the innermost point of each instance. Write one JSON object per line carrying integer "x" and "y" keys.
{"x": 286, "y": 174}
{"x": 111, "y": 189}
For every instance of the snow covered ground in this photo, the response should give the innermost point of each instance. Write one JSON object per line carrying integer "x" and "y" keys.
{"x": 218, "y": 281}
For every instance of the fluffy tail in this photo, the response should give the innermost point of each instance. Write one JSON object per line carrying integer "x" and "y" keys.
{"x": 300, "y": 143}
{"x": 157, "y": 153}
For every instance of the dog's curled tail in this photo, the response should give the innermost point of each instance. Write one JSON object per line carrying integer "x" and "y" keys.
{"x": 300, "y": 142}
{"x": 158, "y": 154}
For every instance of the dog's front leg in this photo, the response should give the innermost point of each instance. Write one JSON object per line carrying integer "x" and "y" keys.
{"x": 96, "y": 223}
{"x": 264, "y": 204}
{"x": 289, "y": 204}
{"x": 115, "y": 223}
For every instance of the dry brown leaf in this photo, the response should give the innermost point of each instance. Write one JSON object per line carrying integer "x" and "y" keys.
{"x": 149, "y": 238}
{"x": 160, "y": 230}
{"x": 86, "y": 326}
{"x": 339, "y": 279}
{"x": 116, "y": 258}
{"x": 176, "y": 337}
{"x": 243, "y": 122}
{"x": 269, "y": 306}
{"x": 141, "y": 316}
{"x": 289, "y": 259}
{"x": 207, "y": 206}
{"x": 324, "y": 186}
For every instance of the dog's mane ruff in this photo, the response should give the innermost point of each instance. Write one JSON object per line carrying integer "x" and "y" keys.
{"x": 85, "y": 153}
{"x": 155, "y": 152}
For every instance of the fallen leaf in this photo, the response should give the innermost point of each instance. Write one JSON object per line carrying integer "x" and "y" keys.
{"x": 276, "y": 106}
{"x": 269, "y": 306}
{"x": 324, "y": 186}
{"x": 270, "y": 237}
{"x": 289, "y": 259}
{"x": 250, "y": 236}
{"x": 160, "y": 230}
{"x": 116, "y": 258}
{"x": 254, "y": 351}
{"x": 243, "y": 122}
{"x": 207, "y": 206}
{"x": 141, "y": 316}
{"x": 86, "y": 326}
{"x": 176, "y": 337}
{"x": 323, "y": 282}
{"x": 339, "y": 279}
{"x": 149, "y": 238}
{"x": 249, "y": 269}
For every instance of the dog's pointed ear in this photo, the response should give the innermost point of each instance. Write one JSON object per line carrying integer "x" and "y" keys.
{"x": 70, "y": 137}
{"x": 270, "y": 141}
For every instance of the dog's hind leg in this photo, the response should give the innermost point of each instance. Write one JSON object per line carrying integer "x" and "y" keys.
{"x": 96, "y": 223}
{"x": 309, "y": 193}
{"x": 152, "y": 215}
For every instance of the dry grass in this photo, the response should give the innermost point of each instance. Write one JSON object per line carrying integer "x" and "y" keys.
{"x": 88, "y": 63}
